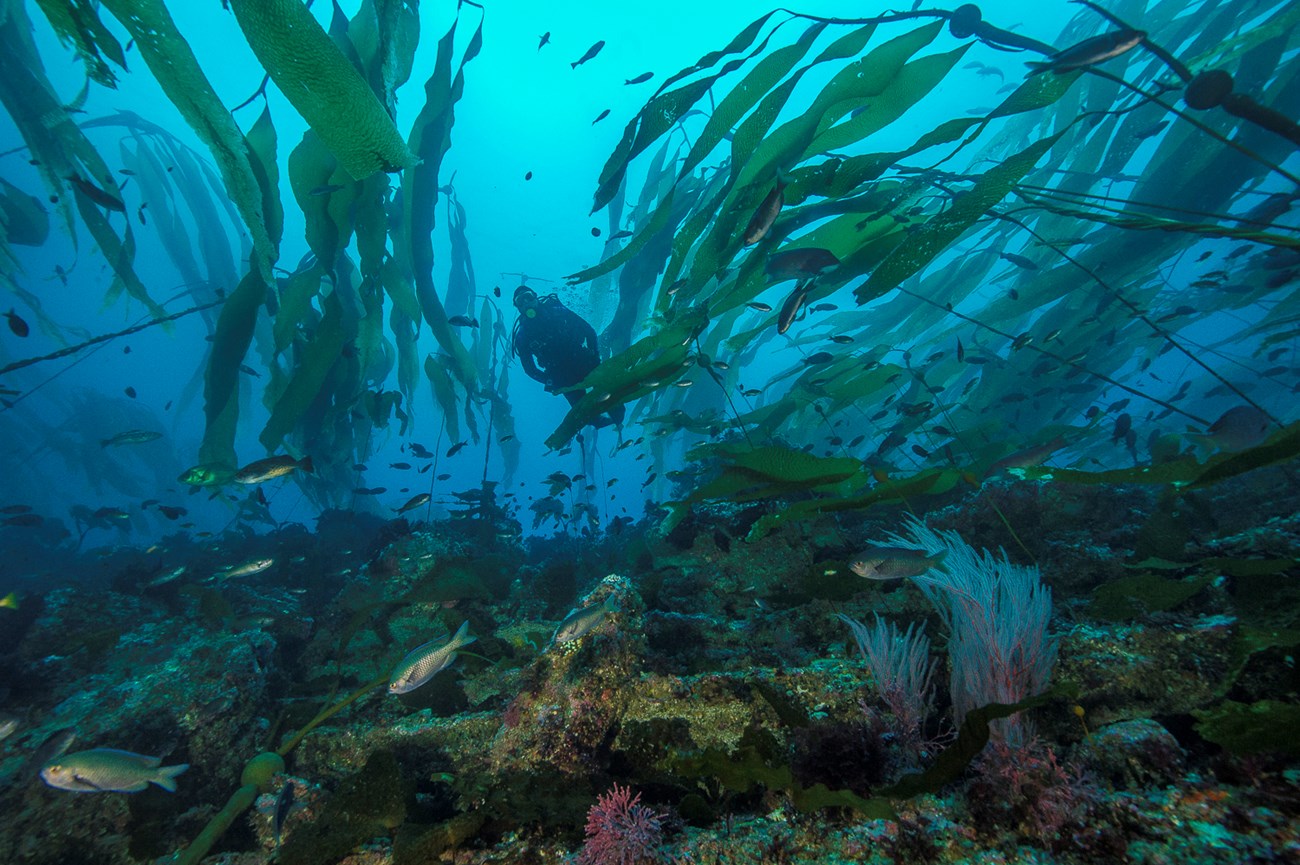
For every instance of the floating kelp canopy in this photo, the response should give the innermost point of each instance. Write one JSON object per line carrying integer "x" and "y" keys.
{"x": 940, "y": 286}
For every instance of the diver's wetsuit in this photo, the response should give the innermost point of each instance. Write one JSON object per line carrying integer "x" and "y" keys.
{"x": 558, "y": 348}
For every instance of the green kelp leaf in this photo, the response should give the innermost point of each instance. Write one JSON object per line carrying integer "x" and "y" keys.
{"x": 746, "y": 767}
{"x": 1143, "y": 594}
{"x": 177, "y": 70}
{"x": 765, "y": 75}
{"x": 645, "y": 366}
{"x": 400, "y": 289}
{"x": 755, "y": 137}
{"x": 971, "y": 739}
{"x": 322, "y": 86}
{"x": 460, "y": 277}
{"x": 77, "y": 21}
{"x": 1228, "y": 52}
{"x": 1282, "y": 446}
{"x": 156, "y": 188}
{"x": 386, "y": 37}
{"x": 935, "y": 234}
{"x": 656, "y": 224}
{"x": 769, "y": 472}
{"x": 790, "y": 466}
{"x": 925, "y": 482}
{"x": 444, "y": 393}
{"x": 758, "y": 154}
{"x": 312, "y": 168}
{"x": 318, "y": 358}
{"x": 1181, "y": 470}
{"x": 25, "y": 220}
{"x": 1143, "y": 222}
{"x": 262, "y": 148}
{"x": 664, "y": 109}
{"x": 907, "y": 87}
{"x": 1264, "y": 727}
{"x": 430, "y": 139}
{"x": 214, "y": 245}
{"x": 221, "y": 389}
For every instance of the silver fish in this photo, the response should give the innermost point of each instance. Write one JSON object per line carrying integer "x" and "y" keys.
{"x": 580, "y": 621}
{"x": 104, "y": 770}
{"x": 426, "y": 661}
{"x": 1089, "y": 51}
{"x": 253, "y": 566}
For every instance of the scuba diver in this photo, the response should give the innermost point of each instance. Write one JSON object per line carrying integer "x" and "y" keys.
{"x": 556, "y": 346}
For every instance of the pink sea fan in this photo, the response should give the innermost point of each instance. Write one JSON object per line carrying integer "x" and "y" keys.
{"x": 621, "y": 831}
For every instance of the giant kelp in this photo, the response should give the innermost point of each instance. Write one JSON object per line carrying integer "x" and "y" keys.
{"x": 1054, "y": 335}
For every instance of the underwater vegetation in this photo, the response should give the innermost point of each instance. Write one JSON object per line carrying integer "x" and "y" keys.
{"x": 960, "y": 353}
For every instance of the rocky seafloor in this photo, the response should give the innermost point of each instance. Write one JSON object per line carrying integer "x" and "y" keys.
{"x": 723, "y": 692}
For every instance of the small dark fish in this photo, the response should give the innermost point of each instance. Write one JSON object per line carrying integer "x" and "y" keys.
{"x": 759, "y": 306}
{"x": 545, "y": 38}
{"x": 893, "y": 563}
{"x": 961, "y": 352}
{"x": 283, "y": 805}
{"x": 920, "y": 451}
{"x": 841, "y": 339}
{"x": 55, "y": 745}
{"x": 1018, "y": 260}
{"x": 823, "y": 307}
{"x": 130, "y": 391}
{"x": 17, "y": 325}
{"x": 456, "y": 448}
{"x": 370, "y": 491}
{"x": 765, "y": 215}
{"x": 400, "y": 466}
{"x": 1089, "y": 51}
{"x": 591, "y": 52}
{"x": 97, "y": 195}
{"x": 640, "y": 79}
{"x": 326, "y": 189}
{"x": 1122, "y": 425}
{"x": 600, "y": 117}
{"x": 462, "y": 321}
{"x": 620, "y": 235}
{"x": 1150, "y": 131}
{"x": 172, "y": 513}
{"x": 139, "y": 212}
{"x": 528, "y": 175}
{"x": 801, "y": 263}
{"x": 792, "y": 306}
{"x": 1031, "y": 456}
{"x": 444, "y": 477}
{"x": 595, "y": 232}
{"x": 505, "y": 438}
{"x": 818, "y": 358}
{"x": 248, "y": 370}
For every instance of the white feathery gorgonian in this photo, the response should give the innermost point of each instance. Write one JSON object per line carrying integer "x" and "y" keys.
{"x": 996, "y": 614}
{"x": 901, "y": 670}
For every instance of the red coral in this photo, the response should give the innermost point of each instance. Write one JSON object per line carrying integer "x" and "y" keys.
{"x": 621, "y": 831}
